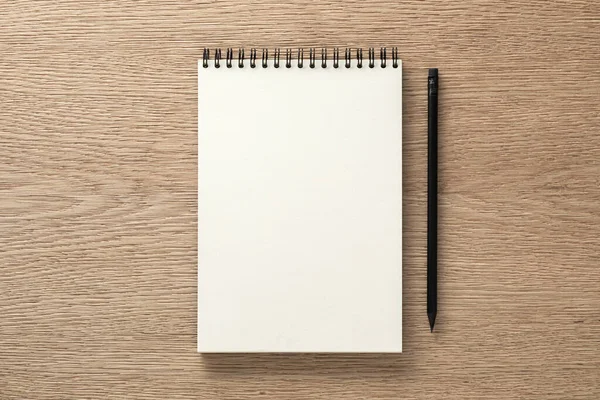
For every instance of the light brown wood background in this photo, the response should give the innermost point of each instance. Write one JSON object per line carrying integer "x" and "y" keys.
{"x": 98, "y": 199}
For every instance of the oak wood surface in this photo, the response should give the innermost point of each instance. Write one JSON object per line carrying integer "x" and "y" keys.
{"x": 98, "y": 199}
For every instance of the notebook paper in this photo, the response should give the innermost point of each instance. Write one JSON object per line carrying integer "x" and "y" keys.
{"x": 299, "y": 209}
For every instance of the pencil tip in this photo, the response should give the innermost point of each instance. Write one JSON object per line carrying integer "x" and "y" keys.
{"x": 431, "y": 317}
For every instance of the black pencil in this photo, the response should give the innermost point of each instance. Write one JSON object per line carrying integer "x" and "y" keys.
{"x": 432, "y": 212}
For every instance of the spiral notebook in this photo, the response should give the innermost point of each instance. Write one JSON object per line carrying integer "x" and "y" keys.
{"x": 300, "y": 201}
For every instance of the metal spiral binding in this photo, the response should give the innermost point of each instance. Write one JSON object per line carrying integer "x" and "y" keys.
{"x": 336, "y": 57}
{"x": 240, "y": 58}
{"x": 312, "y": 55}
{"x": 229, "y": 57}
{"x": 205, "y": 57}
{"x": 217, "y": 58}
{"x": 358, "y": 58}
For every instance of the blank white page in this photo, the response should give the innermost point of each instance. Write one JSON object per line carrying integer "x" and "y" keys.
{"x": 299, "y": 209}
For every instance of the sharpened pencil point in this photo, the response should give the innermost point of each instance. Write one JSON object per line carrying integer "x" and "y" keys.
{"x": 431, "y": 320}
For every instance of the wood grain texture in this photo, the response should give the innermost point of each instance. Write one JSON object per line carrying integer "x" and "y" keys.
{"x": 98, "y": 199}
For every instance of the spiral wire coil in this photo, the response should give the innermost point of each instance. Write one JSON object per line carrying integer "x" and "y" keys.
{"x": 312, "y": 54}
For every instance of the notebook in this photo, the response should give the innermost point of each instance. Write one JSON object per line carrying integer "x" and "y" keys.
{"x": 300, "y": 201}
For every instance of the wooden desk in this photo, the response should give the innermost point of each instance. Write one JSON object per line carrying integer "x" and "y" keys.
{"x": 98, "y": 199}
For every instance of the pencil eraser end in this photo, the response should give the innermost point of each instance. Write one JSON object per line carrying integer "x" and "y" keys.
{"x": 433, "y": 72}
